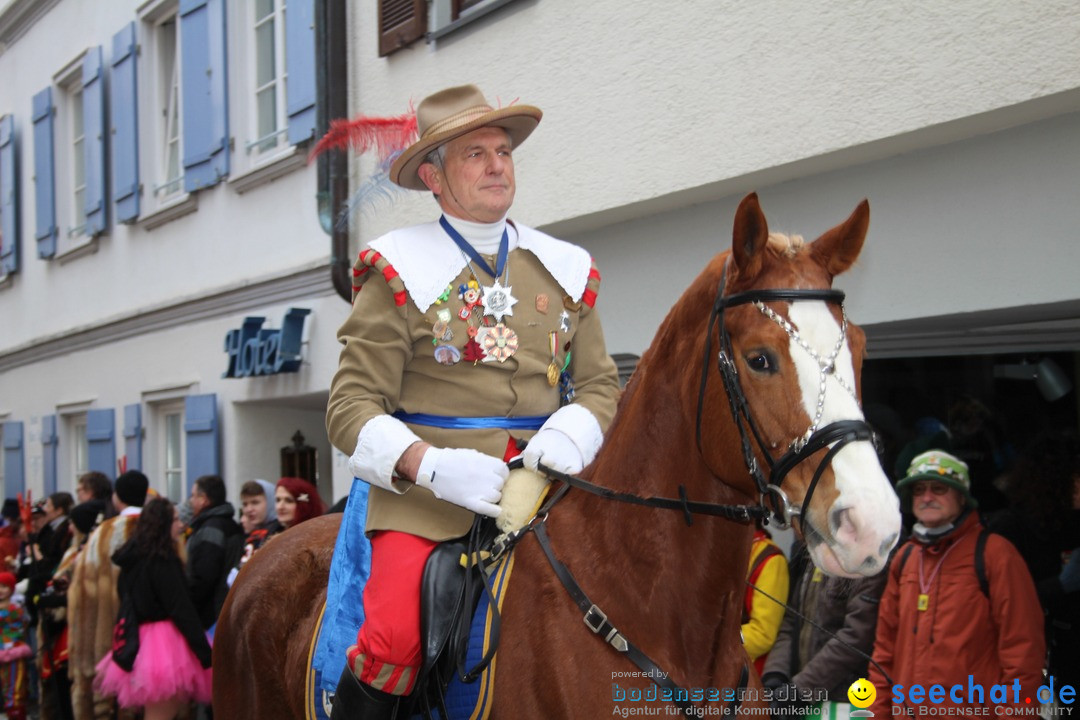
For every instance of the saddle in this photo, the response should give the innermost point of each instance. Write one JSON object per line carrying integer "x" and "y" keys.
{"x": 449, "y": 595}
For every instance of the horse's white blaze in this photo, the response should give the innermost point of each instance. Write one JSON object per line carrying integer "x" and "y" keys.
{"x": 862, "y": 525}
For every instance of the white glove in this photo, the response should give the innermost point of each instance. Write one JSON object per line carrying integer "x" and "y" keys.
{"x": 555, "y": 449}
{"x": 464, "y": 477}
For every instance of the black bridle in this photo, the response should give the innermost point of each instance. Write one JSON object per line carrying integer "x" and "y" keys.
{"x": 837, "y": 434}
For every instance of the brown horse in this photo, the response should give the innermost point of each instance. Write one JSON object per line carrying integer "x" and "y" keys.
{"x": 673, "y": 589}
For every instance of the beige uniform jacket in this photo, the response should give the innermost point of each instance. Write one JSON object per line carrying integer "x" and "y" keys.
{"x": 388, "y": 363}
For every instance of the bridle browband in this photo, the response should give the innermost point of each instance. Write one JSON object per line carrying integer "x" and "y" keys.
{"x": 838, "y": 434}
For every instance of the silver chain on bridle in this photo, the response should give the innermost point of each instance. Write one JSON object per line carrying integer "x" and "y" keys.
{"x": 826, "y": 366}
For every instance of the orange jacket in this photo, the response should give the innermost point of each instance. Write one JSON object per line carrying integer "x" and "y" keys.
{"x": 961, "y": 632}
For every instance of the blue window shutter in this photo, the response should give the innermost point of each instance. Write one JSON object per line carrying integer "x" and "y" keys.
{"x": 201, "y": 431}
{"x": 48, "y": 452}
{"x": 44, "y": 174}
{"x": 101, "y": 437}
{"x": 93, "y": 91}
{"x": 124, "y": 116}
{"x": 9, "y": 198}
{"x": 300, "y": 66}
{"x": 133, "y": 435}
{"x": 14, "y": 466}
{"x": 204, "y": 88}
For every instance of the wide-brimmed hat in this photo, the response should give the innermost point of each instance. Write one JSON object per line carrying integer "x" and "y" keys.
{"x": 451, "y": 113}
{"x": 938, "y": 466}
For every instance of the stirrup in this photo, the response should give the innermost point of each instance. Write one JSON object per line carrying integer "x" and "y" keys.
{"x": 353, "y": 700}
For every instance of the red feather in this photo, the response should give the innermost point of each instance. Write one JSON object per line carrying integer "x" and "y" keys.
{"x": 386, "y": 135}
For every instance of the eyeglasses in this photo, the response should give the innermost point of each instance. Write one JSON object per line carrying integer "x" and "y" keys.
{"x": 935, "y": 488}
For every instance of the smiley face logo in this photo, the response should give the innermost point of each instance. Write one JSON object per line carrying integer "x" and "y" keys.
{"x": 861, "y": 693}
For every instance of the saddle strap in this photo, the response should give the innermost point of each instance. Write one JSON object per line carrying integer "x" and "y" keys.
{"x": 597, "y": 621}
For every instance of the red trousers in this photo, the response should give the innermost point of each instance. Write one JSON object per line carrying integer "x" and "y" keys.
{"x": 387, "y": 654}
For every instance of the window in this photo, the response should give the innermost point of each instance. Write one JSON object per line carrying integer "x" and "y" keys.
{"x": 171, "y": 445}
{"x": 70, "y": 179}
{"x": 402, "y": 22}
{"x": 9, "y": 227}
{"x": 273, "y": 87}
{"x": 270, "y": 121}
{"x": 79, "y": 459}
{"x": 168, "y": 170}
{"x": 78, "y": 162}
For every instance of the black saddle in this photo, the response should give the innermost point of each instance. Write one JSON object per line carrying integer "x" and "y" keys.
{"x": 449, "y": 594}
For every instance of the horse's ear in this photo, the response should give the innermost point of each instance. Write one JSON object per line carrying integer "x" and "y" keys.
{"x": 837, "y": 249}
{"x": 749, "y": 237}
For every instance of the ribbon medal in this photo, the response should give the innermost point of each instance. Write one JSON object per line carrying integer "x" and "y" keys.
{"x": 500, "y": 342}
{"x": 553, "y": 368}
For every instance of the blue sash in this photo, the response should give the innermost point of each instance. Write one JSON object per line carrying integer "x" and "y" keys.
{"x": 450, "y": 422}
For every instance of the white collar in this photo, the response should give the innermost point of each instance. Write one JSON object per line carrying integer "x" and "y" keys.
{"x": 427, "y": 260}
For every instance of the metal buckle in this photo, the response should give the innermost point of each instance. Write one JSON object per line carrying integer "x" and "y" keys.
{"x": 596, "y": 612}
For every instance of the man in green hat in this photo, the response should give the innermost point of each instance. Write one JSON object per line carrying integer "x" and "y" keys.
{"x": 959, "y": 602}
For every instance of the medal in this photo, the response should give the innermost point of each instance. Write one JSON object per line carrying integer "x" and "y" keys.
{"x": 497, "y": 300}
{"x": 447, "y": 355}
{"x": 553, "y": 368}
{"x": 924, "y": 601}
{"x": 564, "y": 321}
{"x": 500, "y": 342}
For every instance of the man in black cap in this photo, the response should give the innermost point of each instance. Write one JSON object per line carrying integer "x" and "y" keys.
{"x": 129, "y": 492}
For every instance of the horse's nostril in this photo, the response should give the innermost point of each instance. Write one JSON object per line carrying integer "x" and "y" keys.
{"x": 887, "y": 544}
{"x": 840, "y": 521}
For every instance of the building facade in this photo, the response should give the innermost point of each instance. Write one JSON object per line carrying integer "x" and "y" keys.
{"x": 129, "y": 275}
{"x": 165, "y": 269}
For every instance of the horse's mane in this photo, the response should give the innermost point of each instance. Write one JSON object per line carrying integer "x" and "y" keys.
{"x": 785, "y": 245}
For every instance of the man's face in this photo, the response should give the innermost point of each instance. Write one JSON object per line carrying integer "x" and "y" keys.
{"x": 51, "y": 511}
{"x": 82, "y": 493}
{"x": 935, "y": 504}
{"x": 199, "y": 501}
{"x": 477, "y": 179}
{"x": 254, "y": 510}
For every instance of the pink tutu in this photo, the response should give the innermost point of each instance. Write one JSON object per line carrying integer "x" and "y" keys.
{"x": 165, "y": 669}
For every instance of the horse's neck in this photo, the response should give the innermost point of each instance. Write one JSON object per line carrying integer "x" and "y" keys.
{"x": 684, "y": 583}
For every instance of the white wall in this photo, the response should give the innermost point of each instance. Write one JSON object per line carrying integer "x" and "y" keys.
{"x": 680, "y": 101}
{"x": 986, "y": 223}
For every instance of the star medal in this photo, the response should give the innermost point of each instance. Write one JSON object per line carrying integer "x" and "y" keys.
{"x": 924, "y": 601}
{"x": 500, "y": 342}
{"x": 498, "y": 301}
{"x": 553, "y": 368}
{"x": 564, "y": 321}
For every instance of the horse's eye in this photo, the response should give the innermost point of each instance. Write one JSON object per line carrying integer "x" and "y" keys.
{"x": 762, "y": 362}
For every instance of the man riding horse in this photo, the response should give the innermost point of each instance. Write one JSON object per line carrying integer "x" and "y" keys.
{"x": 467, "y": 334}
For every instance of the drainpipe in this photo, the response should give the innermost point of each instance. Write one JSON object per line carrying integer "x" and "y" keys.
{"x": 333, "y": 167}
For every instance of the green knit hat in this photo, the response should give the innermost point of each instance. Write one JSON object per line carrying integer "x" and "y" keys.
{"x": 940, "y": 466}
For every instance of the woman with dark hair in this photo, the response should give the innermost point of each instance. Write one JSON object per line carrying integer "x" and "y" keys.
{"x": 172, "y": 666}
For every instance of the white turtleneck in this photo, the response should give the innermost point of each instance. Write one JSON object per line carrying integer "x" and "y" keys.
{"x": 484, "y": 237}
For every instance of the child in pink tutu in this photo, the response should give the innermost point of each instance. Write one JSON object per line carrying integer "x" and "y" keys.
{"x": 172, "y": 666}
{"x": 13, "y": 650}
